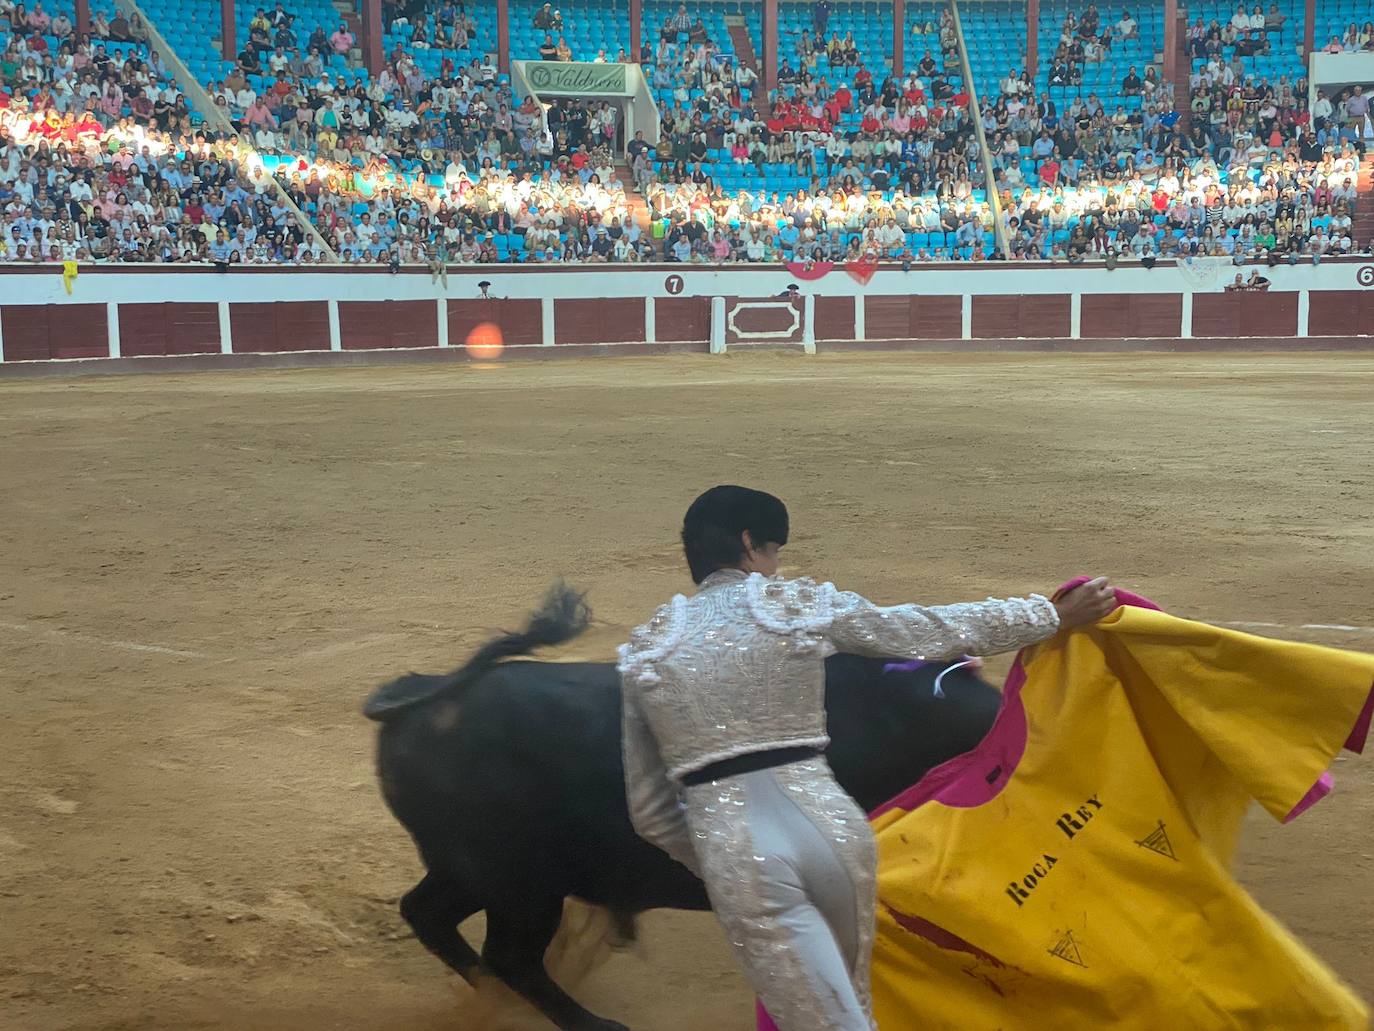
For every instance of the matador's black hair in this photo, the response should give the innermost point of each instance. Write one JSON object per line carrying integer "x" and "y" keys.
{"x": 713, "y": 526}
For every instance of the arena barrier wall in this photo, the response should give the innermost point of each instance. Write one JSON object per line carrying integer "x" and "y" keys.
{"x": 249, "y": 315}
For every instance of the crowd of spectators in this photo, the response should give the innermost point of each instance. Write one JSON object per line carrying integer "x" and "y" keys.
{"x": 100, "y": 159}
{"x": 83, "y": 186}
{"x": 1248, "y": 172}
{"x": 1246, "y": 34}
{"x": 881, "y": 163}
{"x": 1355, "y": 40}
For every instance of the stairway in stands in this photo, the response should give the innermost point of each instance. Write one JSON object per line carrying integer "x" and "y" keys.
{"x": 1363, "y": 225}
{"x": 744, "y": 46}
{"x": 637, "y": 206}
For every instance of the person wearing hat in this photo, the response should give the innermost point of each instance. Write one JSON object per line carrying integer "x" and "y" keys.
{"x": 724, "y": 725}
{"x": 548, "y": 19}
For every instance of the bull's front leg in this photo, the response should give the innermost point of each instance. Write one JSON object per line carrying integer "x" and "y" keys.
{"x": 518, "y": 935}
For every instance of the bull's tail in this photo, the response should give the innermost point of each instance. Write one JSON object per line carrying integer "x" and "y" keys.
{"x": 563, "y": 615}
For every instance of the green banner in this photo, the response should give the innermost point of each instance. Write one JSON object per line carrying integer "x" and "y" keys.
{"x": 576, "y": 78}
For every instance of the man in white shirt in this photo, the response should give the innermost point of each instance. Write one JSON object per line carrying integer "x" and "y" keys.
{"x": 835, "y": 149}
{"x": 365, "y": 230}
{"x": 890, "y": 236}
{"x": 454, "y": 171}
{"x": 1321, "y": 110}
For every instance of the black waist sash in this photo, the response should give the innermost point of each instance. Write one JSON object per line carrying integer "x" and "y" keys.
{"x": 764, "y": 760}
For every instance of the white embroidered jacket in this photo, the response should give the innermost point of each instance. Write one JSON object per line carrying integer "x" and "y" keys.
{"x": 739, "y": 668}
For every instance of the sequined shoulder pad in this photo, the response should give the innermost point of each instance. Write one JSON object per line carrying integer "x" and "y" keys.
{"x": 790, "y": 607}
{"x": 653, "y": 641}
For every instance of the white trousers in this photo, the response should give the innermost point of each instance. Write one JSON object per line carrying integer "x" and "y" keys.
{"x": 789, "y": 860}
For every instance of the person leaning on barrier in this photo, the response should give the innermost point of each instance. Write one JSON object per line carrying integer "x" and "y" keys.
{"x": 438, "y": 262}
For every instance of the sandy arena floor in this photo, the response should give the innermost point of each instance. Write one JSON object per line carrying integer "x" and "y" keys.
{"x": 205, "y": 574}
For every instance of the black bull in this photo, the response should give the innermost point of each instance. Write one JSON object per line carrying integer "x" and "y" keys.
{"x": 508, "y": 776}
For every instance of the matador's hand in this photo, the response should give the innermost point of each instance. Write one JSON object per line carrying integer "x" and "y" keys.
{"x": 1086, "y": 603}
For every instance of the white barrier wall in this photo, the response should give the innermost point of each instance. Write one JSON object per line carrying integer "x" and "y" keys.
{"x": 147, "y": 311}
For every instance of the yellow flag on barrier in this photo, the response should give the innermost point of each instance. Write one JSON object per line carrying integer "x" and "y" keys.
{"x": 68, "y": 274}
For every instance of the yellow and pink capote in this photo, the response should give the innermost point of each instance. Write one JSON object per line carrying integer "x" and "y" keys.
{"x": 1074, "y": 870}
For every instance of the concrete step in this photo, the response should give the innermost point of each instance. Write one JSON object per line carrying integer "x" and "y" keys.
{"x": 637, "y": 206}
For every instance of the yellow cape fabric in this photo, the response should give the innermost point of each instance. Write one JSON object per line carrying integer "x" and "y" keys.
{"x": 1148, "y": 735}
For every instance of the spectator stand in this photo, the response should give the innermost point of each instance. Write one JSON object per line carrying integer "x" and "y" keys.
{"x": 589, "y": 29}
{"x": 185, "y": 25}
{"x": 826, "y": 171}
{"x": 1350, "y": 23}
{"x": 445, "y": 34}
{"x": 1267, "y": 50}
{"x": 218, "y": 120}
{"x": 854, "y": 35}
{"x": 123, "y": 39}
{"x": 1128, "y": 38}
{"x": 995, "y": 41}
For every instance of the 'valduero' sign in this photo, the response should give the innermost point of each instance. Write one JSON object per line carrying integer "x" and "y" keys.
{"x": 576, "y": 77}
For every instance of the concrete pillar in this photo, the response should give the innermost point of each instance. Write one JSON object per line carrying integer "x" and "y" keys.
{"x": 1033, "y": 37}
{"x": 228, "y": 31}
{"x": 898, "y": 39}
{"x": 1309, "y": 27}
{"x": 83, "y": 17}
{"x": 372, "y": 36}
{"x": 770, "y": 46}
{"x": 636, "y": 30}
{"x": 1170, "y": 41}
{"x": 503, "y": 36}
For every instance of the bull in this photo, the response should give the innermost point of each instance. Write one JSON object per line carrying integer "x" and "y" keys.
{"x": 507, "y": 773}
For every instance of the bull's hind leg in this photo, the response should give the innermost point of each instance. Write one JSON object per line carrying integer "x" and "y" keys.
{"x": 518, "y": 935}
{"x": 434, "y": 908}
